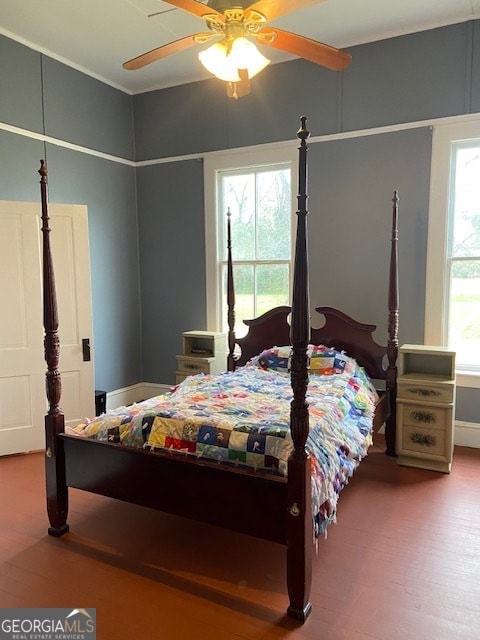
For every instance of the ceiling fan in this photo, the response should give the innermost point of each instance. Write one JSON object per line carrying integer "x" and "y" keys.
{"x": 234, "y": 58}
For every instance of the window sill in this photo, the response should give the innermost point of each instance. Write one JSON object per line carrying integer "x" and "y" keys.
{"x": 469, "y": 379}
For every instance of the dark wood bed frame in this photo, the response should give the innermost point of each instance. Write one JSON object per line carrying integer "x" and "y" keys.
{"x": 281, "y": 511}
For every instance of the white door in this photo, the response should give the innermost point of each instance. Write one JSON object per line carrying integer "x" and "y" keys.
{"x": 22, "y": 364}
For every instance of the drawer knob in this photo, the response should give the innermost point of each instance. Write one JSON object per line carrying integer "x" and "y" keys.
{"x": 425, "y": 417}
{"x": 425, "y": 439}
{"x": 425, "y": 393}
{"x": 294, "y": 510}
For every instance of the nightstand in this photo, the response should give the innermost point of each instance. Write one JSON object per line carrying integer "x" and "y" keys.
{"x": 203, "y": 352}
{"x": 425, "y": 407}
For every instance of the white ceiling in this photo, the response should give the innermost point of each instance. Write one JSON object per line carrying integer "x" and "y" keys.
{"x": 97, "y": 36}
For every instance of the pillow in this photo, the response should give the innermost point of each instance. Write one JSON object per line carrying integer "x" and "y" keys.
{"x": 326, "y": 361}
{"x": 274, "y": 359}
{"x": 323, "y": 360}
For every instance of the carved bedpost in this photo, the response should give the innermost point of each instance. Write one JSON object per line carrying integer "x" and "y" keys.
{"x": 392, "y": 345}
{"x": 230, "y": 297}
{"x": 300, "y": 526}
{"x": 50, "y": 314}
{"x": 57, "y": 494}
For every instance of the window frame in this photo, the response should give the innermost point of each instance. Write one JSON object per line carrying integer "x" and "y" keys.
{"x": 437, "y": 273}
{"x": 214, "y": 164}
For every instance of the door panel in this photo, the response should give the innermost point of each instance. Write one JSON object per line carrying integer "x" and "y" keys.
{"x": 69, "y": 239}
{"x": 22, "y": 365}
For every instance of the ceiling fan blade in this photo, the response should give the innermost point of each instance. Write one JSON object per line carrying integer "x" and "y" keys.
{"x": 240, "y": 88}
{"x": 166, "y": 50}
{"x": 312, "y": 50}
{"x": 197, "y": 8}
{"x": 272, "y": 9}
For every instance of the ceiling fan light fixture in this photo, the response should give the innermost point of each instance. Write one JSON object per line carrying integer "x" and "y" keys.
{"x": 224, "y": 64}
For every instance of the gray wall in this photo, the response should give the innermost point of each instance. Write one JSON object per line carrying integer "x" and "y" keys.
{"x": 137, "y": 330}
{"x": 108, "y": 189}
{"x": 350, "y": 228}
{"x": 172, "y": 260}
{"x": 42, "y": 96}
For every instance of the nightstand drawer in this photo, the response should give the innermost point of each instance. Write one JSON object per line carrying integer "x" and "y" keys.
{"x": 421, "y": 441}
{"x": 424, "y": 415}
{"x": 426, "y": 392}
{"x": 192, "y": 366}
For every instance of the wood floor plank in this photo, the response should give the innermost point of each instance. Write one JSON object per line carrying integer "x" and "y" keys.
{"x": 403, "y": 561}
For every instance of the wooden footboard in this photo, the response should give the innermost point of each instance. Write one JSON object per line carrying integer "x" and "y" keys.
{"x": 234, "y": 498}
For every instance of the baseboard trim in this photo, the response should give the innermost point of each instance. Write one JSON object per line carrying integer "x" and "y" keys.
{"x": 135, "y": 393}
{"x": 467, "y": 434}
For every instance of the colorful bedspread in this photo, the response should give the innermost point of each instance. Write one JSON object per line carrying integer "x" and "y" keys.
{"x": 242, "y": 418}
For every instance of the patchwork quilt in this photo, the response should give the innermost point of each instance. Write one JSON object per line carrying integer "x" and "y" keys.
{"x": 242, "y": 418}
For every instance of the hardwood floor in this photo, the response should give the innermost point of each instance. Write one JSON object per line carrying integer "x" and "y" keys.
{"x": 402, "y": 563}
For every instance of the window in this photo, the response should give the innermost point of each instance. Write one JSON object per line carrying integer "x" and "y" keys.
{"x": 259, "y": 202}
{"x": 452, "y": 313}
{"x": 463, "y": 254}
{"x": 256, "y": 190}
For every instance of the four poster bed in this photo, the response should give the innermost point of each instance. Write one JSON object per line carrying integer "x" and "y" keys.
{"x": 185, "y": 476}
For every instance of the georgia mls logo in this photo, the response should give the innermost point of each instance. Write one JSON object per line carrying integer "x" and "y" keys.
{"x": 48, "y": 624}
